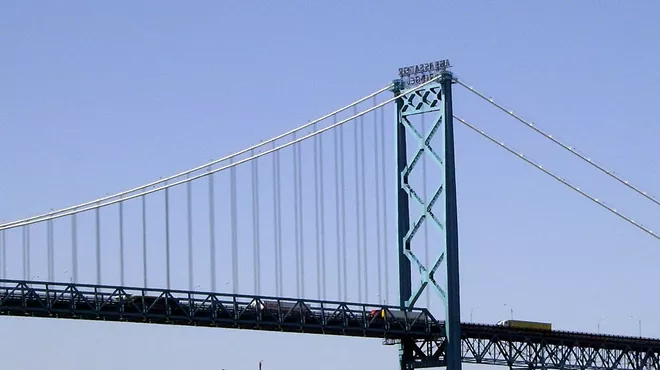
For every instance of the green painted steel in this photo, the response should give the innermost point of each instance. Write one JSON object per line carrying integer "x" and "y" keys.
{"x": 433, "y": 99}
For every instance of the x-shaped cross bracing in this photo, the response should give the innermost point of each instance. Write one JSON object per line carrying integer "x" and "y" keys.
{"x": 427, "y": 276}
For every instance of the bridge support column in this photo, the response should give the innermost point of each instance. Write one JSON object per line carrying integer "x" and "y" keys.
{"x": 435, "y": 98}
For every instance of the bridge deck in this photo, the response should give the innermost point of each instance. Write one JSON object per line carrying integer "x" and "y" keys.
{"x": 487, "y": 344}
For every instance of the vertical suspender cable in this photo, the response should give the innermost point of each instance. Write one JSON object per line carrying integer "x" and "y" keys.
{"x": 377, "y": 201}
{"x": 25, "y": 257}
{"x": 74, "y": 248}
{"x": 337, "y": 220}
{"x": 279, "y": 225}
{"x": 3, "y": 242}
{"x": 51, "y": 250}
{"x": 234, "y": 229}
{"x": 121, "y": 243}
{"x": 191, "y": 282}
{"x": 357, "y": 202}
{"x": 98, "y": 246}
{"x": 167, "y": 238}
{"x": 51, "y": 240}
{"x": 212, "y": 232}
{"x": 255, "y": 225}
{"x": 3, "y": 254}
{"x": 316, "y": 214}
{"x": 383, "y": 178}
{"x": 296, "y": 215}
{"x": 144, "y": 240}
{"x": 364, "y": 213}
{"x": 300, "y": 222}
{"x": 275, "y": 224}
{"x": 257, "y": 235}
{"x": 28, "y": 264}
{"x": 322, "y": 221}
{"x": 343, "y": 210}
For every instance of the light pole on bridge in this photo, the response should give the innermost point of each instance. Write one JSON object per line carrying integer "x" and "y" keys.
{"x": 472, "y": 311}
{"x": 599, "y": 321}
{"x": 639, "y": 321}
{"x": 510, "y": 309}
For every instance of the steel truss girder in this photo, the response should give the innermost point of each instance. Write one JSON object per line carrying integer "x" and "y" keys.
{"x": 518, "y": 349}
{"x": 162, "y": 306}
{"x": 565, "y": 354}
{"x": 483, "y": 344}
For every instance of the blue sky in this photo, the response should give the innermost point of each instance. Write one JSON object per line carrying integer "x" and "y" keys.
{"x": 96, "y": 99}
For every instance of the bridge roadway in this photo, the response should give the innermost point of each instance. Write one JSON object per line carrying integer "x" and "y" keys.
{"x": 485, "y": 344}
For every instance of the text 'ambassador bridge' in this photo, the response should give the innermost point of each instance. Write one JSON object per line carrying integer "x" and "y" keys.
{"x": 289, "y": 234}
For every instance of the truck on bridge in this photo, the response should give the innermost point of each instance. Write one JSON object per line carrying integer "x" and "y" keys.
{"x": 520, "y": 324}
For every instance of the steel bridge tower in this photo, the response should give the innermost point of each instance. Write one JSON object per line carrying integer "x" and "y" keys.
{"x": 433, "y": 98}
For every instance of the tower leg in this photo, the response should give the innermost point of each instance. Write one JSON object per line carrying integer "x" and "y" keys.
{"x": 453, "y": 317}
{"x": 403, "y": 227}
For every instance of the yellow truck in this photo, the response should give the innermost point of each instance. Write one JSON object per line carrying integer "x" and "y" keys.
{"x": 519, "y": 324}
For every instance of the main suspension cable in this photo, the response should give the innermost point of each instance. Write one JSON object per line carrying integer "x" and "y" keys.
{"x": 594, "y": 199}
{"x": 569, "y": 148}
{"x": 45, "y": 216}
{"x": 74, "y": 210}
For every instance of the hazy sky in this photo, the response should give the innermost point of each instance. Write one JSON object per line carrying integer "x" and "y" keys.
{"x": 95, "y": 99}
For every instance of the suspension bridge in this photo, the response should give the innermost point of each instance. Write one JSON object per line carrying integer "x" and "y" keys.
{"x": 346, "y": 225}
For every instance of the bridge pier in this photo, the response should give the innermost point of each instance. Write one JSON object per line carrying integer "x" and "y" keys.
{"x": 433, "y": 97}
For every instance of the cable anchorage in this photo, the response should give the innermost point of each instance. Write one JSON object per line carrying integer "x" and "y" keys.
{"x": 563, "y": 181}
{"x": 571, "y": 149}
